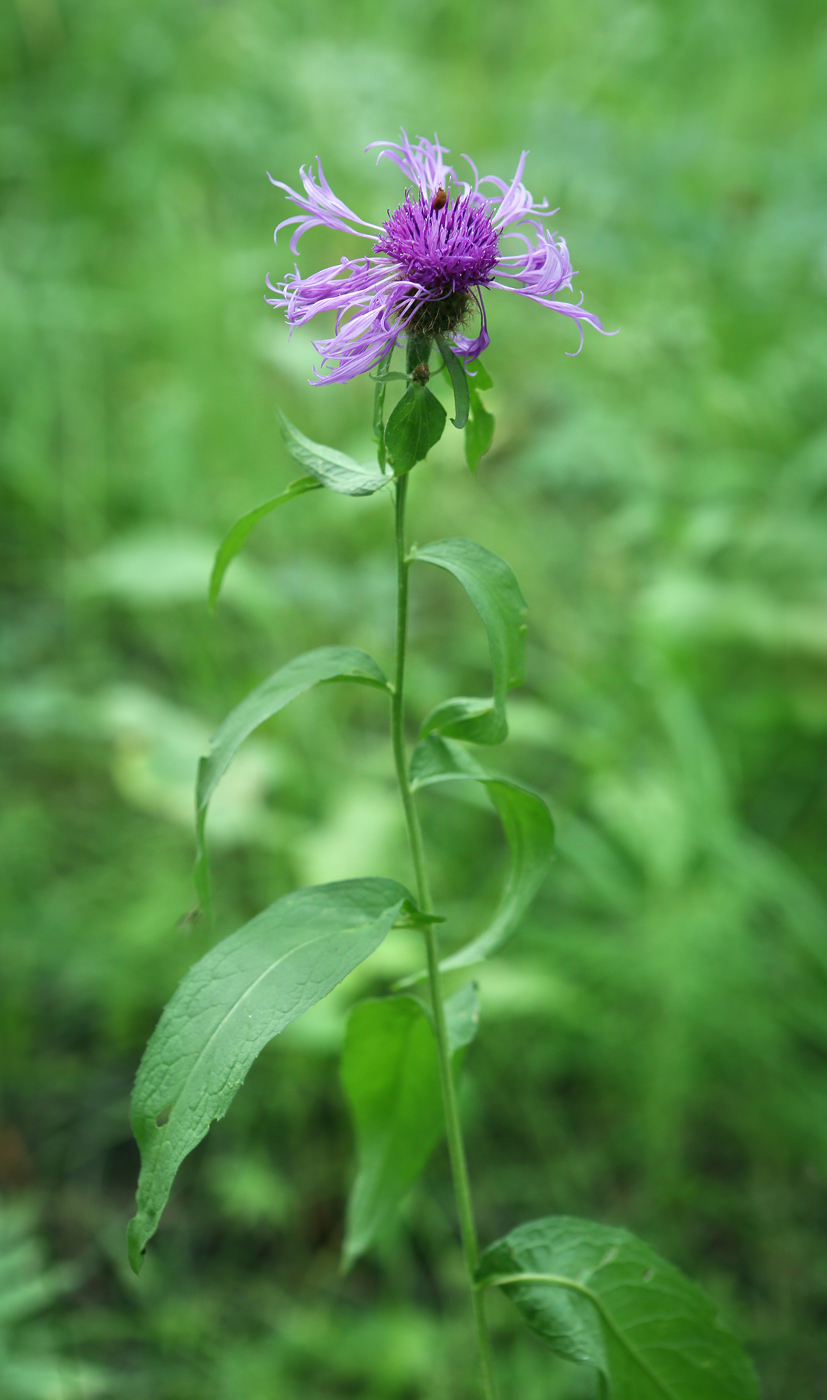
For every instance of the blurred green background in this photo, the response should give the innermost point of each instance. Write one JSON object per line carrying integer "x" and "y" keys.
{"x": 653, "y": 1049}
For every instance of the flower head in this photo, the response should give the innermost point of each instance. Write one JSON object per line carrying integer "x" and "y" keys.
{"x": 429, "y": 262}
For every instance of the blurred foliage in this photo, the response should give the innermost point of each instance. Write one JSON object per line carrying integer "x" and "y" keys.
{"x": 652, "y": 1048}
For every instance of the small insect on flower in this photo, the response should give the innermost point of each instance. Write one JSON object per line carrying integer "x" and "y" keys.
{"x": 429, "y": 261}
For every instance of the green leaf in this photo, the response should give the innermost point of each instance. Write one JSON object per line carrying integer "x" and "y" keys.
{"x": 390, "y": 1073}
{"x": 331, "y": 468}
{"x": 382, "y": 377}
{"x": 299, "y": 675}
{"x": 229, "y": 1006}
{"x": 603, "y": 1298}
{"x": 417, "y": 352}
{"x": 479, "y": 430}
{"x": 529, "y": 831}
{"x": 459, "y": 382}
{"x": 478, "y": 374}
{"x": 236, "y": 536}
{"x": 415, "y": 426}
{"x": 462, "y": 1017}
{"x": 495, "y": 593}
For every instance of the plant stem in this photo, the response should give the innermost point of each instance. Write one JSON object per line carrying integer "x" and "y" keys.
{"x": 456, "y": 1148}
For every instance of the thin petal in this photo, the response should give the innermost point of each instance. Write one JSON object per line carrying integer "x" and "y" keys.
{"x": 355, "y": 348}
{"x": 320, "y": 208}
{"x": 422, "y": 163}
{"x": 471, "y": 347}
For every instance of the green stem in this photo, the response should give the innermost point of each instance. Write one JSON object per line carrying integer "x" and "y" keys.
{"x": 456, "y": 1148}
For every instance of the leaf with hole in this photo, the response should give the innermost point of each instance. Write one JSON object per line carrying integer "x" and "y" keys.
{"x": 390, "y": 1073}
{"x": 297, "y": 676}
{"x": 332, "y": 469}
{"x": 529, "y": 831}
{"x": 227, "y": 1008}
{"x": 236, "y": 536}
{"x": 601, "y": 1297}
{"x": 415, "y": 426}
{"x": 495, "y": 593}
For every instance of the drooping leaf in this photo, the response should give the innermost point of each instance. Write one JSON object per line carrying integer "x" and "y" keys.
{"x": 495, "y": 593}
{"x": 479, "y": 430}
{"x": 529, "y": 831}
{"x": 237, "y": 535}
{"x": 479, "y": 375}
{"x": 299, "y": 675}
{"x": 390, "y": 1073}
{"x": 415, "y": 426}
{"x": 332, "y": 469}
{"x": 601, "y": 1297}
{"x": 459, "y": 382}
{"x": 229, "y": 1006}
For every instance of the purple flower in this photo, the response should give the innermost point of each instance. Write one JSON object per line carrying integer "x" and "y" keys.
{"x": 432, "y": 257}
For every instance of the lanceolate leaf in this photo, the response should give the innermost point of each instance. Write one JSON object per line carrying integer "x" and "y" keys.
{"x": 236, "y": 536}
{"x": 415, "y": 426}
{"x": 299, "y": 675}
{"x": 495, "y": 593}
{"x": 332, "y": 469}
{"x": 229, "y": 1006}
{"x": 478, "y": 375}
{"x": 601, "y": 1297}
{"x": 379, "y": 409}
{"x": 479, "y": 430}
{"x": 528, "y": 827}
{"x": 391, "y": 1077}
{"x": 459, "y": 382}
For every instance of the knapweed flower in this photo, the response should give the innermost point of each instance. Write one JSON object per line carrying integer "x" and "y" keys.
{"x": 431, "y": 260}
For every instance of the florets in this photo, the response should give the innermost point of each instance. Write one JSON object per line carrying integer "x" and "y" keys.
{"x": 446, "y": 247}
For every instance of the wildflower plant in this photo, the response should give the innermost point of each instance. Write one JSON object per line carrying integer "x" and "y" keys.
{"x": 595, "y": 1294}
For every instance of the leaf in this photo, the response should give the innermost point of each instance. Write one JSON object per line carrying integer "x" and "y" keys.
{"x": 417, "y": 351}
{"x": 299, "y": 675}
{"x": 237, "y": 535}
{"x": 459, "y": 382}
{"x": 495, "y": 593}
{"x": 599, "y": 1296}
{"x": 331, "y": 468}
{"x": 479, "y": 375}
{"x": 462, "y": 1017}
{"x": 390, "y": 1073}
{"x": 415, "y": 426}
{"x": 479, "y": 430}
{"x": 229, "y": 1006}
{"x": 529, "y": 831}
{"x": 382, "y": 377}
